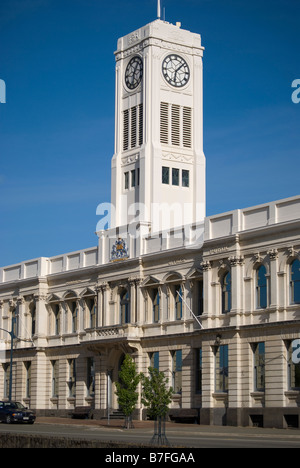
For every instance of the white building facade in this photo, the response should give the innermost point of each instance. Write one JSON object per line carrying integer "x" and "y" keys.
{"x": 214, "y": 302}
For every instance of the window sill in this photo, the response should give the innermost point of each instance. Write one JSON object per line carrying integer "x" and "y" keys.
{"x": 220, "y": 396}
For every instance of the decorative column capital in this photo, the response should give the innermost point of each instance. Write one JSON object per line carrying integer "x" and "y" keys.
{"x": 205, "y": 265}
{"x": 236, "y": 260}
{"x": 273, "y": 254}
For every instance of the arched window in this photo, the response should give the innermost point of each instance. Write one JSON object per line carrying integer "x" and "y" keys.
{"x": 33, "y": 319}
{"x": 125, "y": 307}
{"x": 261, "y": 288}
{"x": 74, "y": 310}
{"x": 295, "y": 281}
{"x": 57, "y": 315}
{"x": 92, "y": 312}
{"x": 15, "y": 322}
{"x": 155, "y": 303}
{"x": 178, "y": 302}
{"x": 226, "y": 293}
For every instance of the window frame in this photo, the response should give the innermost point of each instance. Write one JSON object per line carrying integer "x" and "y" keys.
{"x": 222, "y": 370}
{"x": 292, "y": 368}
{"x": 155, "y": 301}
{"x": 259, "y": 366}
{"x": 176, "y": 356}
{"x": 226, "y": 292}
{"x": 198, "y": 370}
{"x": 178, "y": 302}
{"x": 124, "y": 306}
{"x": 261, "y": 286}
{"x": 185, "y": 178}
{"x": 293, "y": 290}
{"x": 175, "y": 177}
{"x": 165, "y": 175}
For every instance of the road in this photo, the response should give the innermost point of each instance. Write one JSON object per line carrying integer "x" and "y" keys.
{"x": 180, "y": 436}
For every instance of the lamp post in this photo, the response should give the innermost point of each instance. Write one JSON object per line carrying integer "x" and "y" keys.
{"x": 12, "y": 337}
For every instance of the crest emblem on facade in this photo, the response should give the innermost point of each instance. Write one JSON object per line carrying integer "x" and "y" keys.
{"x": 119, "y": 251}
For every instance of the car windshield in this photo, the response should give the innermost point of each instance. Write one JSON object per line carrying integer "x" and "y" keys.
{"x": 14, "y": 405}
{"x": 19, "y": 405}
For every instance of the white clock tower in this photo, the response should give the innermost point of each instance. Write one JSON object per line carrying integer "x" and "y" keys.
{"x": 158, "y": 169}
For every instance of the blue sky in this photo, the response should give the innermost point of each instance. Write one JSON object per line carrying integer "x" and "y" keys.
{"x": 57, "y": 126}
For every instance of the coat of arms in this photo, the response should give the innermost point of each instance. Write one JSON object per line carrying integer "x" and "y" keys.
{"x": 119, "y": 251}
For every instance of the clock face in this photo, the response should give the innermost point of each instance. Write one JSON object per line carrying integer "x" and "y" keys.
{"x": 176, "y": 71}
{"x": 134, "y": 73}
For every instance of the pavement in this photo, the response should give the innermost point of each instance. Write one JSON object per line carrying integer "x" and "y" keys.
{"x": 113, "y": 423}
{"x": 173, "y": 427}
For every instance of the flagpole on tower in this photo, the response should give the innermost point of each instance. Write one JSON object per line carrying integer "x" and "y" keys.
{"x": 158, "y": 9}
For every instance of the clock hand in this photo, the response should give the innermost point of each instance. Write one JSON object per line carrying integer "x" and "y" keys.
{"x": 177, "y": 69}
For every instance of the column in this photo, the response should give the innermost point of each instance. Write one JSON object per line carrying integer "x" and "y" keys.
{"x": 63, "y": 387}
{"x": 39, "y": 381}
{"x": 41, "y": 320}
{"x": 21, "y": 327}
{"x": 273, "y": 255}
{"x": 207, "y": 292}
{"x": 102, "y": 304}
{"x": 133, "y": 298}
{"x": 235, "y": 388}
{"x": 236, "y": 263}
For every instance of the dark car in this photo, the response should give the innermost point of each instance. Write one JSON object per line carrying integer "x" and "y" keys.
{"x": 13, "y": 411}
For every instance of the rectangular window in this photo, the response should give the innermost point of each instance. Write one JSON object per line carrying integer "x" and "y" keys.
{"x": 154, "y": 360}
{"x": 175, "y": 177}
{"x": 185, "y": 178}
{"x": 55, "y": 371}
{"x": 91, "y": 377}
{"x": 259, "y": 367}
{"x": 72, "y": 378}
{"x": 221, "y": 369}
{"x": 126, "y": 180}
{"x": 198, "y": 369}
{"x": 166, "y": 175}
{"x": 28, "y": 379}
{"x": 293, "y": 369}
{"x": 295, "y": 282}
{"x": 133, "y": 180}
{"x": 177, "y": 371}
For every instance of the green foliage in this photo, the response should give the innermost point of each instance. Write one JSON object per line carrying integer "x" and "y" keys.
{"x": 126, "y": 392}
{"x": 156, "y": 395}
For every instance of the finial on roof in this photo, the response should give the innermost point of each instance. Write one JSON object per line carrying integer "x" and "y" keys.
{"x": 158, "y": 9}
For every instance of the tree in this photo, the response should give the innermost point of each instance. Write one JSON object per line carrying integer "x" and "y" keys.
{"x": 127, "y": 394}
{"x": 156, "y": 396}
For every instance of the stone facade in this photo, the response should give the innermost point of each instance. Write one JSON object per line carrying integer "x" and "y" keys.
{"x": 213, "y": 302}
{"x": 75, "y": 325}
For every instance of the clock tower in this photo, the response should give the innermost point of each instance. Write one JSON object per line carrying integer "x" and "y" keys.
{"x": 158, "y": 169}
